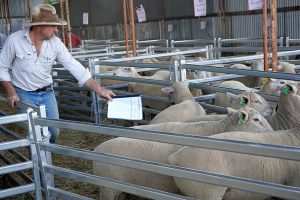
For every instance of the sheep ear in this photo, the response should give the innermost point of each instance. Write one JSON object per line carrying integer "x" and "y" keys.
{"x": 243, "y": 116}
{"x": 231, "y": 111}
{"x": 167, "y": 90}
{"x": 244, "y": 100}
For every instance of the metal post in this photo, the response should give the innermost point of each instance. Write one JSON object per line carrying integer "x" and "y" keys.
{"x": 207, "y": 52}
{"x": 125, "y": 27}
{"x": 96, "y": 100}
{"x": 219, "y": 45}
{"x": 69, "y": 25}
{"x": 35, "y": 161}
{"x": 287, "y": 43}
{"x": 182, "y": 71}
{"x": 274, "y": 35}
{"x": 265, "y": 36}
{"x": 47, "y": 178}
{"x": 132, "y": 28}
{"x": 63, "y": 17}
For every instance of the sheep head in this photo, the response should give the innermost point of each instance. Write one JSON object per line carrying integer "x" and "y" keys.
{"x": 252, "y": 100}
{"x": 247, "y": 119}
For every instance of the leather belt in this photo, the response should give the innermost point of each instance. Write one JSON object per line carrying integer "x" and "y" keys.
{"x": 44, "y": 89}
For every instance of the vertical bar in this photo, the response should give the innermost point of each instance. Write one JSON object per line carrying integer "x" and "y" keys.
{"x": 265, "y": 36}
{"x": 62, "y": 15}
{"x": 95, "y": 98}
{"x": 34, "y": 158}
{"x": 69, "y": 25}
{"x": 132, "y": 28}
{"x": 47, "y": 178}
{"x": 274, "y": 34}
{"x": 125, "y": 27}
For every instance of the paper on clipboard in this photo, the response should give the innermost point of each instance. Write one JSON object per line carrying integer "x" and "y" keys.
{"x": 125, "y": 107}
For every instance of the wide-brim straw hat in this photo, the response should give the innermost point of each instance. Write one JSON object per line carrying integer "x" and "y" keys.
{"x": 45, "y": 14}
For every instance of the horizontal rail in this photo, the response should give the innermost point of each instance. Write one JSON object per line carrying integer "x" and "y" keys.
{"x": 58, "y": 193}
{"x": 16, "y": 167}
{"x": 256, "y": 73}
{"x": 138, "y": 80}
{"x": 244, "y": 58}
{"x": 267, "y": 150}
{"x": 196, "y": 175}
{"x": 16, "y": 190}
{"x": 14, "y": 144}
{"x": 159, "y": 55}
{"x": 13, "y": 118}
{"x": 117, "y": 185}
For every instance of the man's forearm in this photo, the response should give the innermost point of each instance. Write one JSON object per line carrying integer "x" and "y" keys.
{"x": 9, "y": 88}
{"x": 12, "y": 96}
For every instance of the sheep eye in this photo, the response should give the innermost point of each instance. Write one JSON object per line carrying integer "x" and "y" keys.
{"x": 257, "y": 101}
{"x": 256, "y": 119}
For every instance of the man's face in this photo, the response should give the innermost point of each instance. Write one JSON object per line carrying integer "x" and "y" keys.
{"x": 48, "y": 31}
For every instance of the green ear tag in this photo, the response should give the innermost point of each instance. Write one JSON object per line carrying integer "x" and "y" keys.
{"x": 241, "y": 119}
{"x": 285, "y": 90}
{"x": 242, "y": 102}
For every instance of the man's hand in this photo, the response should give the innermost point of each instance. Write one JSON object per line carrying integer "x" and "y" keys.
{"x": 106, "y": 94}
{"x": 12, "y": 97}
{"x": 12, "y": 100}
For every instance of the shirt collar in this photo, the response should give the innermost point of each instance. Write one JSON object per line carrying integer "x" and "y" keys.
{"x": 26, "y": 35}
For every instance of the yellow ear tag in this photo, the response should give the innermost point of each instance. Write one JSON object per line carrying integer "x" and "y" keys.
{"x": 265, "y": 80}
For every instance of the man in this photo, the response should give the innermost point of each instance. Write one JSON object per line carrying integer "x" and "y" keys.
{"x": 26, "y": 62}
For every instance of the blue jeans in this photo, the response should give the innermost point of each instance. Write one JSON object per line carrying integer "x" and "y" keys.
{"x": 46, "y": 98}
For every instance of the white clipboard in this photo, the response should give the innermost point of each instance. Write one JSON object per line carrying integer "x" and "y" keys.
{"x": 125, "y": 107}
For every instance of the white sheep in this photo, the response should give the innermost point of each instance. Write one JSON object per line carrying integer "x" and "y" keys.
{"x": 243, "y": 120}
{"x": 248, "y": 98}
{"x": 250, "y": 81}
{"x": 146, "y": 89}
{"x": 287, "y": 114}
{"x": 184, "y": 104}
{"x": 286, "y": 67}
{"x": 240, "y": 165}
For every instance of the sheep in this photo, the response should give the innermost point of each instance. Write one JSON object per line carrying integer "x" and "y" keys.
{"x": 146, "y": 89}
{"x": 240, "y": 165}
{"x": 286, "y": 116}
{"x": 243, "y": 120}
{"x": 273, "y": 86}
{"x": 185, "y": 105}
{"x": 250, "y": 81}
{"x": 207, "y": 118}
{"x": 248, "y": 98}
{"x": 286, "y": 67}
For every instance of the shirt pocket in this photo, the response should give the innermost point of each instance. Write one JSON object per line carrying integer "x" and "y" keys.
{"x": 26, "y": 57}
{"x": 24, "y": 62}
{"x": 46, "y": 59}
